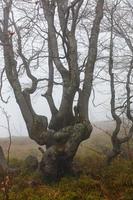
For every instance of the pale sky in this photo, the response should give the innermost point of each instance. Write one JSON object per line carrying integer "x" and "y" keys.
{"x": 99, "y": 113}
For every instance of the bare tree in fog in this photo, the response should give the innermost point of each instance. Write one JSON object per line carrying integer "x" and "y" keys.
{"x": 69, "y": 124}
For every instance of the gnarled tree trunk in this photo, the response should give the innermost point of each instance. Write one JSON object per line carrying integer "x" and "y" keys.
{"x": 57, "y": 160}
{"x": 66, "y": 130}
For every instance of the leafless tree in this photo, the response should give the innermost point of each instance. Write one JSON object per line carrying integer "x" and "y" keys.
{"x": 116, "y": 30}
{"x": 69, "y": 124}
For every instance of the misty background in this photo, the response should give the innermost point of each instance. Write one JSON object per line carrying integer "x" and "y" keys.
{"x": 99, "y": 109}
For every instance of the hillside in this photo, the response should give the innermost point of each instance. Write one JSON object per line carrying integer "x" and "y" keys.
{"x": 94, "y": 181}
{"x": 22, "y": 146}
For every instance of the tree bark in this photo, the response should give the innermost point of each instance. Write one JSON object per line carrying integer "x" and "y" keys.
{"x": 57, "y": 160}
{"x": 64, "y": 133}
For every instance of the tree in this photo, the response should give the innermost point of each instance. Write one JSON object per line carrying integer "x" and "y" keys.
{"x": 69, "y": 125}
{"x": 117, "y": 31}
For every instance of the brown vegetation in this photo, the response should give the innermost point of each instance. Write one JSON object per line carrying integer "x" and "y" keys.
{"x": 92, "y": 180}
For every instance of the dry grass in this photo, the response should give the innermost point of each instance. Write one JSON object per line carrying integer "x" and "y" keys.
{"x": 21, "y": 147}
{"x": 99, "y": 143}
{"x": 96, "y": 181}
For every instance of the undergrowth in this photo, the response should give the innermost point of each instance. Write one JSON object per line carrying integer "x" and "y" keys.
{"x": 95, "y": 182}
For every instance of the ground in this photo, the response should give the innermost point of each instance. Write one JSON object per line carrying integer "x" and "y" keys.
{"x": 93, "y": 180}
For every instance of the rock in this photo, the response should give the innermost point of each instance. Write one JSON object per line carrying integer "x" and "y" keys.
{"x": 31, "y": 163}
{"x": 3, "y": 163}
{"x": 76, "y": 168}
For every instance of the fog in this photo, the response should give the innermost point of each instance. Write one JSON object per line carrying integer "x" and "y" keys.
{"x": 99, "y": 108}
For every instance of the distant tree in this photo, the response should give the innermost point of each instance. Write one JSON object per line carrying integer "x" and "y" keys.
{"x": 120, "y": 31}
{"x": 69, "y": 125}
